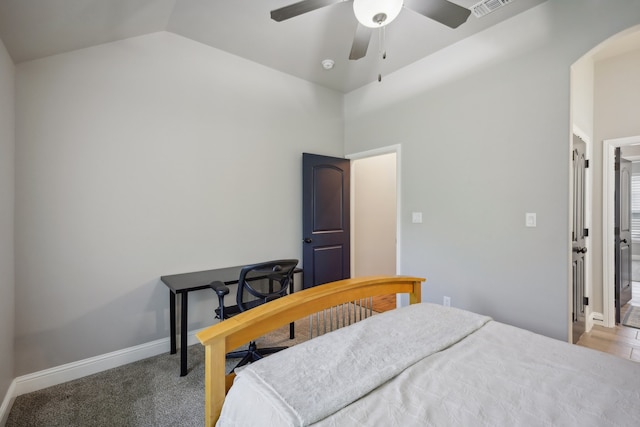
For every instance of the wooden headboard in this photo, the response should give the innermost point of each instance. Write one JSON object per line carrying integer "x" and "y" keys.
{"x": 222, "y": 337}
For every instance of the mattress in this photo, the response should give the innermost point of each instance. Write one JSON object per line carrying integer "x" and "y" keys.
{"x": 428, "y": 365}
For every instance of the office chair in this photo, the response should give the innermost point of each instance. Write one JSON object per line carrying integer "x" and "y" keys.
{"x": 258, "y": 284}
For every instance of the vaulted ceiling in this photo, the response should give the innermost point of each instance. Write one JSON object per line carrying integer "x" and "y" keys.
{"x": 32, "y": 29}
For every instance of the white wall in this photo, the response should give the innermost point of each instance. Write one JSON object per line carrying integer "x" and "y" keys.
{"x": 7, "y": 283}
{"x": 150, "y": 156}
{"x": 374, "y": 214}
{"x": 482, "y": 146}
{"x": 582, "y": 86}
{"x": 617, "y": 92}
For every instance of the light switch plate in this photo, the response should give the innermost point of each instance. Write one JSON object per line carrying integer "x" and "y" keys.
{"x": 416, "y": 217}
{"x": 530, "y": 219}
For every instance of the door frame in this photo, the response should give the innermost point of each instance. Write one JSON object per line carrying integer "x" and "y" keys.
{"x": 608, "y": 225}
{"x": 401, "y": 300}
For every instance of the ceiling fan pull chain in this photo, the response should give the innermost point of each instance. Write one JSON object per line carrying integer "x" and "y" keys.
{"x": 381, "y": 49}
{"x": 384, "y": 42}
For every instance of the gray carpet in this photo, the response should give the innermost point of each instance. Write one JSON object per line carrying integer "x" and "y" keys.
{"x": 149, "y": 392}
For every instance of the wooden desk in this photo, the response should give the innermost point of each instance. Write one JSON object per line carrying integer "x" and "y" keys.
{"x": 188, "y": 282}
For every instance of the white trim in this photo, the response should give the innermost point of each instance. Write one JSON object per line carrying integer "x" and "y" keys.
{"x": 608, "y": 261}
{"x": 401, "y": 300}
{"x": 72, "y": 371}
{"x": 7, "y": 403}
{"x": 588, "y": 223}
{"x": 597, "y": 318}
{"x": 570, "y": 249}
{"x": 374, "y": 152}
{"x": 608, "y": 223}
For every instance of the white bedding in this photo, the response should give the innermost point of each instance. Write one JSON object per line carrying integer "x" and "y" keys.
{"x": 435, "y": 366}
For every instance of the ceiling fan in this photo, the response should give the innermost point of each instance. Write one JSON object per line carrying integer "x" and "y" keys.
{"x": 373, "y": 14}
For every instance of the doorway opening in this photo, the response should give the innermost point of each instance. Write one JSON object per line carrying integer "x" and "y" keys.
{"x": 632, "y": 154}
{"x": 608, "y": 225}
{"x": 608, "y": 229}
{"x": 375, "y": 216}
{"x": 604, "y": 88}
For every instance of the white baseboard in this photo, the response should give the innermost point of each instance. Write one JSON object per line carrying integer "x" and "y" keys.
{"x": 7, "y": 403}
{"x": 598, "y": 318}
{"x": 72, "y": 371}
{"x": 594, "y": 318}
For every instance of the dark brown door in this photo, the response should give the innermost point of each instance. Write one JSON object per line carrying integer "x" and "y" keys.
{"x": 578, "y": 234}
{"x": 622, "y": 232}
{"x": 325, "y": 219}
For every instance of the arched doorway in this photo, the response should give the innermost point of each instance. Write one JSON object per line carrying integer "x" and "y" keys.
{"x": 604, "y": 94}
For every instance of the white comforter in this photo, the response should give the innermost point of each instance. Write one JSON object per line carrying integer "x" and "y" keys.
{"x": 429, "y": 365}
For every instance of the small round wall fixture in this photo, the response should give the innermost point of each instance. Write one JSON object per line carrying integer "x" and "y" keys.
{"x": 328, "y": 64}
{"x": 376, "y": 13}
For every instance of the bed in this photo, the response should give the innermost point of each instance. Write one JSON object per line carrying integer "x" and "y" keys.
{"x": 422, "y": 365}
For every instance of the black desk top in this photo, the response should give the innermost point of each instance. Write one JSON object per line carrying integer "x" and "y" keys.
{"x": 187, "y": 282}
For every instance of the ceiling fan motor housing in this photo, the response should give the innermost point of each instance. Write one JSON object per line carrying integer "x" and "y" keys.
{"x": 376, "y": 13}
{"x": 379, "y": 18}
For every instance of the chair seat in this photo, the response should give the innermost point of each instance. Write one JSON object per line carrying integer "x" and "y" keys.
{"x": 229, "y": 311}
{"x": 232, "y": 310}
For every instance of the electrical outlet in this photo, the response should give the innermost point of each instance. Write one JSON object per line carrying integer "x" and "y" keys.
{"x": 446, "y": 301}
{"x": 530, "y": 219}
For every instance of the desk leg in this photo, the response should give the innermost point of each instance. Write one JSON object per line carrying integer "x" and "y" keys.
{"x": 292, "y": 329}
{"x": 183, "y": 334}
{"x": 172, "y": 321}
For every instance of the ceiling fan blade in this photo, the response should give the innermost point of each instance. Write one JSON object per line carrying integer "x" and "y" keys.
{"x": 360, "y": 42}
{"x": 443, "y": 11}
{"x": 299, "y": 8}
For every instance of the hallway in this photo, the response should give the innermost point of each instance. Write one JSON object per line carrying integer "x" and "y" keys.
{"x": 622, "y": 340}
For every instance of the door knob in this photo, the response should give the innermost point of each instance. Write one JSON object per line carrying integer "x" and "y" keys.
{"x": 307, "y": 240}
{"x": 583, "y": 250}
{"x": 623, "y": 241}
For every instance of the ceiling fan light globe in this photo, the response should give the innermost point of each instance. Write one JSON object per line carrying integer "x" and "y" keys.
{"x": 369, "y": 12}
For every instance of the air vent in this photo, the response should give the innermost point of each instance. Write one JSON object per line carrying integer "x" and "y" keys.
{"x": 485, "y": 7}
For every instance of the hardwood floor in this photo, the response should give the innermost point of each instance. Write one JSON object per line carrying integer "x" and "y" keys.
{"x": 381, "y": 303}
{"x": 622, "y": 340}
{"x": 384, "y": 303}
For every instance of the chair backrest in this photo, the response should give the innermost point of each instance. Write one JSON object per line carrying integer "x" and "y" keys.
{"x": 265, "y": 281}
